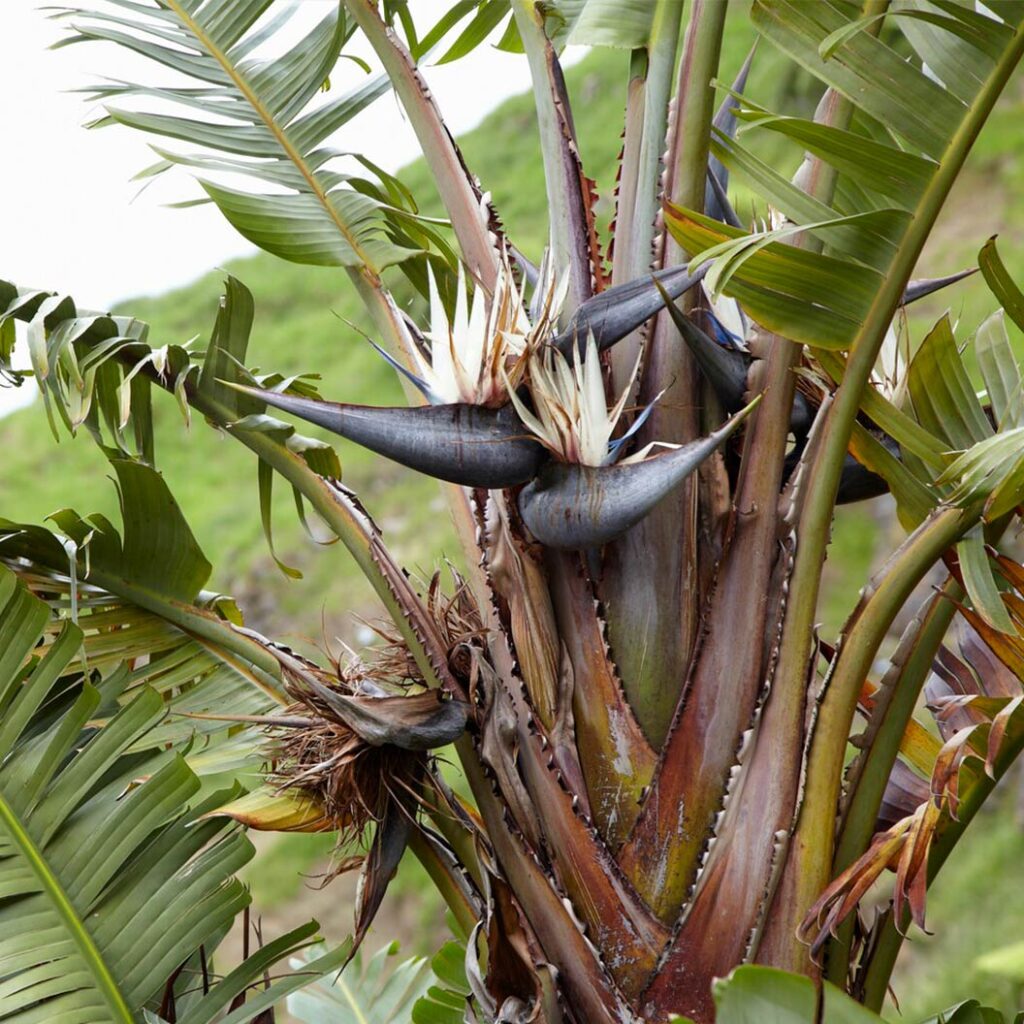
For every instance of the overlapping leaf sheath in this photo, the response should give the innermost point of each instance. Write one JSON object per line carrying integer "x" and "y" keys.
{"x": 629, "y": 673}
{"x": 616, "y": 758}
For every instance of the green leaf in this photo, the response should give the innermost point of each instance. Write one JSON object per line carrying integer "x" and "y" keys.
{"x": 841, "y": 1009}
{"x": 455, "y": 13}
{"x": 377, "y": 990}
{"x": 623, "y": 24}
{"x": 158, "y": 551}
{"x": 895, "y": 174}
{"x": 158, "y": 548}
{"x": 112, "y": 872}
{"x": 868, "y": 237}
{"x": 941, "y": 391}
{"x": 998, "y": 279}
{"x": 338, "y": 228}
{"x": 261, "y": 112}
{"x": 319, "y": 456}
{"x": 914, "y": 499}
{"x": 910, "y": 435}
{"x": 999, "y": 370}
{"x": 989, "y": 471}
{"x": 828, "y": 46}
{"x": 764, "y": 995}
{"x": 487, "y": 18}
{"x": 803, "y": 296}
{"x": 210, "y": 1006}
{"x": 229, "y": 343}
{"x": 187, "y": 652}
{"x": 445, "y": 1003}
{"x": 872, "y": 74}
{"x": 968, "y": 1012}
{"x": 980, "y": 582}
{"x": 449, "y": 966}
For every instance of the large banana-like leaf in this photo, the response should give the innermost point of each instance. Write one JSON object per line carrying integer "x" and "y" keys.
{"x": 111, "y": 878}
{"x": 254, "y": 115}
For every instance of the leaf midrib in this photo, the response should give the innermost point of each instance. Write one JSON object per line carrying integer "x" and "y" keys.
{"x": 275, "y": 129}
{"x": 61, "y": 902}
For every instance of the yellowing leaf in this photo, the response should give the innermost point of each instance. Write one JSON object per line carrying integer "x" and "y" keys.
{"x": 274, "y": 810}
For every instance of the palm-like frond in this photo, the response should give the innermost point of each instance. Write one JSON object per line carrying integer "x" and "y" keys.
{"x": 370, "y": 990}
{"x": 146, "y": 581}
{"x": 116, "y": 352}
{"x": 255, "y": 115}
{"x": 111, "y": 877}
{"x": 144, "y": 649}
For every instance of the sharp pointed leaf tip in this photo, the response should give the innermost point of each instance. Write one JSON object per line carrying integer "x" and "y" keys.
{"x": 418, "y": 382}
{"x": 618, "y": 311}
{"x": 725, "y": 368}
{"x": 927, "y": 286}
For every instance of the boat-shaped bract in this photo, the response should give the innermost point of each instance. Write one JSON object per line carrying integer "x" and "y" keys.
{"x": 464, "y": 444}
{"x": 574, "y": 506}
{"x": 618, "y": 311}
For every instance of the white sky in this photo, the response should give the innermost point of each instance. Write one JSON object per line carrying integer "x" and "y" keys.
{"x": 71, "y": 220}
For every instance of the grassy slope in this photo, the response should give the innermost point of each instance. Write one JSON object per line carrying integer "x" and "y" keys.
{"x": 297, "y": 328}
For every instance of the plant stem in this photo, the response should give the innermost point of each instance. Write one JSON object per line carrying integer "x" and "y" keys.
{"x": 651, "y": 574}
{"x": 869, "y": 784}
{"x": 636, "y": 216}
{"x": 750, "y": 589}
{"x": 458, "y": 192}
{"x": 811, "y": 853}
{"x": 837, "y": 704}
{"x": 569, "y": 232}
{"x": 462, "y": 908}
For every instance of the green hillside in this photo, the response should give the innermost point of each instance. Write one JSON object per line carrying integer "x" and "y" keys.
{"x": 300, "y": 326}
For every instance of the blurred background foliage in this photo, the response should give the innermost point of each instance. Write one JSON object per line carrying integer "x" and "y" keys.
{"x": 301, "y": 325}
